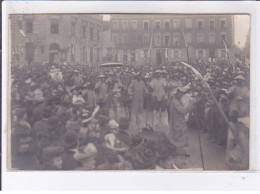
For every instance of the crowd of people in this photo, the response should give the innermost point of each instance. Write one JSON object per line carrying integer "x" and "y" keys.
{"x": 67, "y": 117}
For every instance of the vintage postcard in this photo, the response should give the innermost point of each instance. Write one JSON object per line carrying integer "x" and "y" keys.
{"x": 129, "y": 92}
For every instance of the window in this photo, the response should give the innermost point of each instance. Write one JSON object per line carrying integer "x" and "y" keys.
{"x": 200, "y": 53}
{"x": 212, "y": 38}
{"x": 54, "y": 26}
{"x": 200, "y": 38}
{"x": 115, "y": 38}
{"x": 134, "y": 24}
{"x": 200, "y": 24}
{"x": 212, "y": 53}
{"x": 29, "y": 50}
{"x": 223, "y": 24}
{"x": 188, "y": 37}
{"x": 146, "y": 39}
{"x": 73, "y": 25}
{"x": 223, "y": 37}
{"x": 146, "y": 25}
{"x": 42, "y": 49}
{"x": 157, "y": 25}
{"x": 212, "y": 24}
{"x": 167, "y": 40}
{"x": 176, "y": 54}
{"x": 29, "y": 27}
{"x": 124, "y": 24}
{"x": 167, "y": 25}
{"x": 176, "y": 39}
{"x": 98, "y": 35}
{"x": 176, "y": 24}
{"x": 124, "y": 39}
{"x": 72, "y": 52}
{"x": 84, "y": 32}
{"x": 84, "y": 53}
{"x": 91, "y": 31}
{"x": 157, "y": 40}
{"x": 188, "y": 23}
{"x": 115, "y": 24}
{"x": 223, "y": 53}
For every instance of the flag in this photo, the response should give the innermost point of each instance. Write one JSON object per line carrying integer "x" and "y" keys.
{"x": 225, "y": 44}
{"x": 186, "y": 45}
{"x": 184, "y": 39}
{"x": 21, "y": 29}
{"x": 22, "y": 32}
{"x": 150, "y": 49}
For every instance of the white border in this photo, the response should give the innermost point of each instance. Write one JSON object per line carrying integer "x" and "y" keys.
{"x": 136, "y": 179}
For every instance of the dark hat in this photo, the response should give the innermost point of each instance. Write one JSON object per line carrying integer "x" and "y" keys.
{"x": 176, "y": 75}
{"x": 74, "y": 88}
{"x": 70, "y": 139}
{"x": 52, "y": 152}
{"x": 53, "y": 121}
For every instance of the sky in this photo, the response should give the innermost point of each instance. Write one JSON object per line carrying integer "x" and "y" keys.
{"x": 241, "y": 27}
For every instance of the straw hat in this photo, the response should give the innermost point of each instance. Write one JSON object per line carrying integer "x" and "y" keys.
{"x": 102, "y": 76}
{"x": 240, "y": 77}
{"x": 113, "y": 124}
{"x": 181, "y": 89}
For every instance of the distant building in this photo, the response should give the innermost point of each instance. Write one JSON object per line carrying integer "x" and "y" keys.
{"x": 155, "y": 39}
{"x": 74, "y": 39}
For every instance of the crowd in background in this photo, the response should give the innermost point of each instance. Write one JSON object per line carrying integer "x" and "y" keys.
{"x": 88, "y": 117}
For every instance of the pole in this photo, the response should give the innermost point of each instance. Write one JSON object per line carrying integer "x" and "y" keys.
{"x": 227, "y": 51}
{"x": 186, "y": 45}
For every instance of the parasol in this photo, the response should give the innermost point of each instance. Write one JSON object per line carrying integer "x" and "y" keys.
{"x": 111, "y": 65}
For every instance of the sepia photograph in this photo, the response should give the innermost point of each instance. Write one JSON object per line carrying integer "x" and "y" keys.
{"x": 129, "y": 92}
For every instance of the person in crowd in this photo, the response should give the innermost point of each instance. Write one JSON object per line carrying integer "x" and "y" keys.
{"x": 178, "y": 128}
{"x": 72, "y": 116}
{"x": 52, "y": 157}
{"x": 237, "y": 144}
{"x": 70, "y": 143}
{"x": 239, "y": 94}
{"x": 76, "y": 79}
{"x": 136, "y": 90}
{"x": 101, "y": 89}
{"x": 159, "y": 84}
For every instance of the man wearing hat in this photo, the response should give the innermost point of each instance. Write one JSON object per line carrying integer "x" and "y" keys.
{"x": 76, "y": 79}
{"x": 159, "y": 84}
{"x": 136, "y": 90}
{"x": 101, "y": 89}
{"x": 86, "y": 156}
{"x": 51, "y": 156}
{"x": 239, "y": 95}
{"x": 88, "y": 94}
{"x": 177, "y": 123}
{"x": 70, "y": 143}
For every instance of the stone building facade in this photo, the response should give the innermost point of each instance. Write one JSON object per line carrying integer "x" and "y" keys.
{"x": 72, "y": 39}
{"x": 156, "y": 39}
